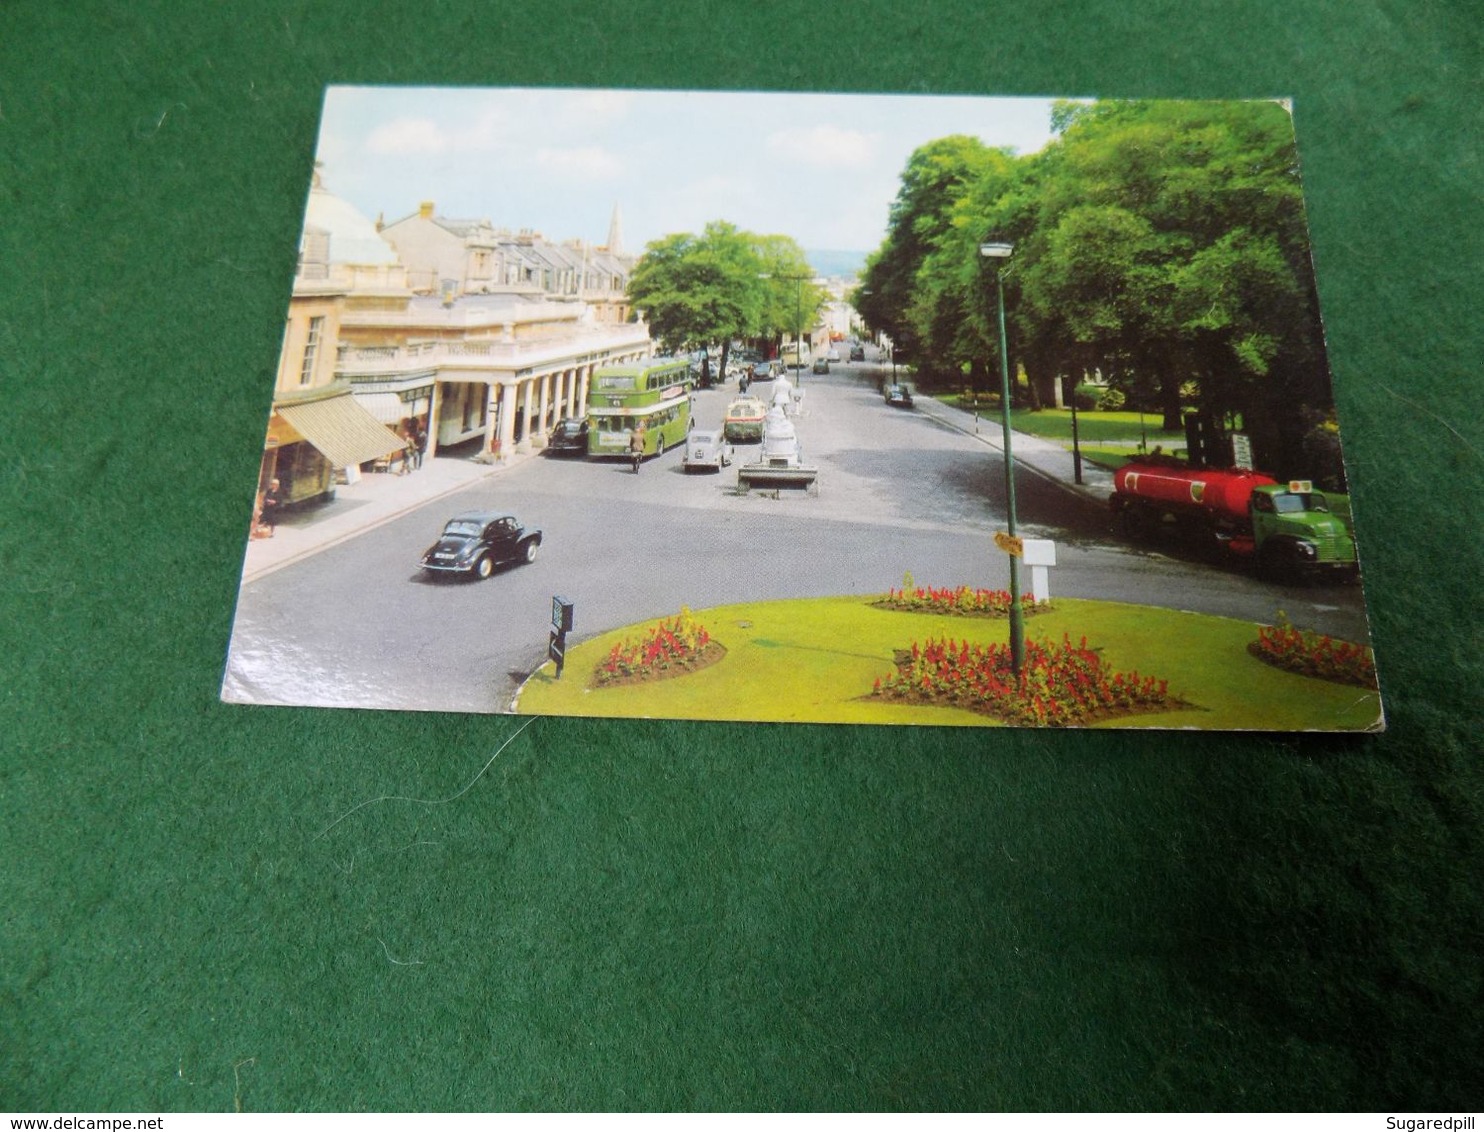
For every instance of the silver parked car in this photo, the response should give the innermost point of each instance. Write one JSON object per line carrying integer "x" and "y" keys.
{"x": 706, "y": 449}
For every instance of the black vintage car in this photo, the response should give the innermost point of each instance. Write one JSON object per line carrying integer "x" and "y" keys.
{"x": 569, "y": 438}
{"x": 475, "y": 542}
{"x": 898, "y": 395}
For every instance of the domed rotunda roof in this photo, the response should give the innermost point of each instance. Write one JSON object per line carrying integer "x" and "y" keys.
{"x": 353, "y": 238}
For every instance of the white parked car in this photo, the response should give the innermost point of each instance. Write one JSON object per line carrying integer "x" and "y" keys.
{"x": 706, "y": 449}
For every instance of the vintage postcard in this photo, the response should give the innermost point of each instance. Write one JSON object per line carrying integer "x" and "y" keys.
{"x": 805, "y": 407}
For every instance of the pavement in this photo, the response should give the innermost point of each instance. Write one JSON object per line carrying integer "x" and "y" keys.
{"x": 375, "y": 499}
{"x": 1045, "y": 458}
{"x": 379, "y": 498}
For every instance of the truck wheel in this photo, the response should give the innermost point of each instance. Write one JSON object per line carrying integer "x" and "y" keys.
{"x": 1135, "y": 523}
{"x": 1209, "y": 546}
{"x": 531, "y": 548}
{"x": 659, "y": 447}
{"x": 1278, "y": 562}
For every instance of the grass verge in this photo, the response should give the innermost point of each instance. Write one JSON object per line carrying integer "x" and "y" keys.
{"x": 1093, "y": 425}
{"x": 815, "y": 661}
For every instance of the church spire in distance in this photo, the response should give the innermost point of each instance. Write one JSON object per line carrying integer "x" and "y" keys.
{"x": 615, "y": 233}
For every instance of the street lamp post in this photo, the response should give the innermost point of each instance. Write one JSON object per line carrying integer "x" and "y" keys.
{"x": 798, "y": 318}
{"x": 799, "y": 330}
{"x": 996, "y": 251}
{"x": 1076, "y": 442}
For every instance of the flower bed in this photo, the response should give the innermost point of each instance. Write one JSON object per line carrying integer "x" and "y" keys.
{"x": 671, "y": 648}
{"x": 962, "y": 602}
{"x": 1060, "y": 685}
{"x": 1311, "y": 654}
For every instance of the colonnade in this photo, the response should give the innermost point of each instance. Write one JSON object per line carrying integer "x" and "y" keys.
{"x": 539, "y": 401}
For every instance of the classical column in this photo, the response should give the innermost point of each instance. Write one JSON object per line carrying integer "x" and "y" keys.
{"x": 435, "y": 408}
{"x": 491, "y": 416}
{"x": 545, "y": 410}
{"x": 507, "y": 420}
{"x": 526, "y": 399}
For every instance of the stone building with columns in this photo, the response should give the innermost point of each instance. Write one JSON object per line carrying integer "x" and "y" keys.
{"x": 316, "y": 428}
{"x": 500, "y": 369}
{"x": 483, "y": 368}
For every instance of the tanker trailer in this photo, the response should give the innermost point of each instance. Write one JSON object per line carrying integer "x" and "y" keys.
{"x": 1287, "y": 529}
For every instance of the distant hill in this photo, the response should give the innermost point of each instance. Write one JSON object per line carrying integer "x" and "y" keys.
{"x": 830, "y": 263}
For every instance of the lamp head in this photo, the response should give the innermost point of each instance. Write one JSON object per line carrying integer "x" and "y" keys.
{"x": 996, "y": 251}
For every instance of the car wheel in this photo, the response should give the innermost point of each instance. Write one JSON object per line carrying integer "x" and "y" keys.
{"x": 484, "y": 567}
{"x": 532, "y": 546}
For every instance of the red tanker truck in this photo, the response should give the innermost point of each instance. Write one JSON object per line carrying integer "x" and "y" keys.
{"x": 1287, "y": 529}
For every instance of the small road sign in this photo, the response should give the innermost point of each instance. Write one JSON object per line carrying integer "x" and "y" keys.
{"x": 1012, "y": 545}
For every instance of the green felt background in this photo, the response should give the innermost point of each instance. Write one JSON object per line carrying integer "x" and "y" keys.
{"x": 625, "y": 915}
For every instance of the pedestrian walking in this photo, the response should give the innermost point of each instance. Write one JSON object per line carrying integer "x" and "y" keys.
{"x": 636, "y": 447}
{"x": 272, "y": 504}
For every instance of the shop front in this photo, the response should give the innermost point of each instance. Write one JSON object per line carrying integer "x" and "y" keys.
{"x": 311, "y": 437}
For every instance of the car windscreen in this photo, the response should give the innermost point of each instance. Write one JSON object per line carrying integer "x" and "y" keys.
{"x": 462, "y": 529}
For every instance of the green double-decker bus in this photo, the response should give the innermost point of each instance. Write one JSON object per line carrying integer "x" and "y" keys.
{"x": 651, "y": 396}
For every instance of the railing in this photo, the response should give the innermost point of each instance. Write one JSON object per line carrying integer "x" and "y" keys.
{"x": 362, "y": 361}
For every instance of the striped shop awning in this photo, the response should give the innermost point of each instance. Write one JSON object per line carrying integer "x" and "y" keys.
{"x": 343, "y": 431}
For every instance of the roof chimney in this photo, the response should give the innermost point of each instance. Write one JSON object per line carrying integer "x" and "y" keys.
{"x": 425, "y": 210}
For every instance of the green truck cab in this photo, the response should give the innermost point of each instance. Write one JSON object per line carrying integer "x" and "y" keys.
{"x": 1295, "y": 530}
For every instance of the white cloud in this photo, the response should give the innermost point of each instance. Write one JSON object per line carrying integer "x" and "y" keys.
{"x": 597, "y": 106}
{"x": 407, "y": 136}
{"x": 412, "y": 134}
{"x": 591, "y": 162}
{"x": 823, "y": 146}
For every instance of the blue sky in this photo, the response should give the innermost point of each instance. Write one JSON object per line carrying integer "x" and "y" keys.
{"x": 822, "y": 168}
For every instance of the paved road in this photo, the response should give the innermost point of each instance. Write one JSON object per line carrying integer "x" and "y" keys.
{"x": 359, "y": 625}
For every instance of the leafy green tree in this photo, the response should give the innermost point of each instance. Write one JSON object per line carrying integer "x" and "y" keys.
{"x": 953, "y": 296}
{"x": 955, "y": 307}
{"x": 1160, "y": 243}
{"x": 697, "y": 290}
{"x": 1172, "y": 247}
{"x": 721, "y": 285}
{"x": 936, "y": 177}
{"x": 793, "y": 300}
